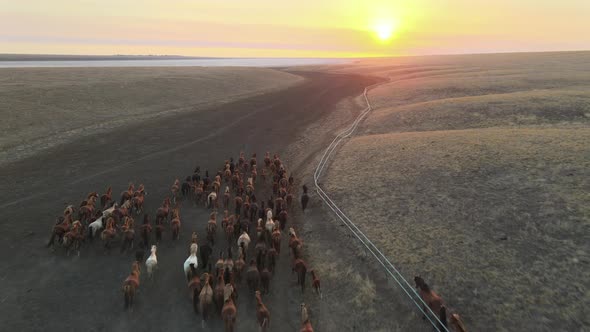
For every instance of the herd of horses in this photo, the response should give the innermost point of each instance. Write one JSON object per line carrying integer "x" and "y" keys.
{"x": 234, "y": 189}
{"x": 212, "y": 285}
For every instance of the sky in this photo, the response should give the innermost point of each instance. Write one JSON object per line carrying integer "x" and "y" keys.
{"x": 302, "y": 28}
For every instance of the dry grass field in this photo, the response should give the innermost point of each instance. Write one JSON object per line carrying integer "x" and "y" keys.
{"x": 44, "y": 107}
{"x": 474, "y": 172}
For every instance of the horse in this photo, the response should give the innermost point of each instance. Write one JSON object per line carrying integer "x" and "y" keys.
{"x": 229, "y": 310}
{"x": 244, "y": 241}
{"x": 128, "y": 234}
{"x": 265, "y": 279}
{"x": 226, "y": 198}
{"x": 205, "y": 299}
{"x": 300, "y": 267}
{"x": 276, "y": 240}
{"x": 163, "y": 211}
{"x": 145, "y": 229}
{"x": 152, "y": 262}
{"x": 191, "y": 260}
{"x": 283, "y": 218}
{"x": 61, "y": 227}
{"x": 262, "y": 313}
{"x": 73, "y": 239}
{"x": 175, "y": 224}
{"x": 304, "y": 199}
{"x": 316, "y": 283}
{"x": 253, "y": 276}
{"x": 137, "y": 201}
{"x": 159, "y": 231}
{"x": 305, "y": 323}
{"x": 239, "y": 266}
{"x": 212, "y": 200}
{"x": 108, "y": 234}
{"x": 130, "y": 285}
{"x": 126, "y": 195}
{"x": 199, "y": 192}
{"x": 175, "y": 190}
{"x": 271, "y": 258}
{"x": 229, "y": 232}
{"x": 433, "y": 300}
{"x": 295, "y": 243}
{"x": 194, "y": 286}
{"x": 186, "y": 187}
{"x": 218, "y": 293}
{"x": 205, "y": 253}
{"x": 106, "y": 198}
{"x": 457, "y": 323}
{"x": 211, "y": 229}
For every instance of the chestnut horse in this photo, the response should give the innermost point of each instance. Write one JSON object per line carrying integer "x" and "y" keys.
{"x": 206, "y": 299}
{"x": 457, "y": 323}
{"x": 229, "y": 313}
{"x": 305, "y": 323}
{"x": 175, "y": 223}
{"x": 130, "y": 286}
{"x": 262, "y": 313}
{"x": 194, "y": 286}
{"x": 137, "y": 201}
{"x": 316, "y": 283}
{"x": 295, "y": 243}
{"x": 163, "y": 211}
{"x": 128, "y": 234}
{"x": 218, "y": 293}
{"x": 126, "y": 195}
{"x": 433, "y": 300}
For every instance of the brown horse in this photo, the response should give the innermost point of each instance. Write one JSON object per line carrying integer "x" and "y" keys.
{"x": 206, "y": 299}
{"x": 457, "y": 323}
{"x": 61, "y": 227}
{"x": 194, "y": 286}
{"x": 295, "y": 244}
{"x": 300, "y": 267}
{"x": 276, "y": 240}
{"x": 271, "y": 258}
{"x": 106, "y": 198}
{"x": 72, "y": 240}
{"x": 175, "y": 191}
{"x": 128, "y": 234}
{"x": 126, "y": 195}
{"x": 175, "y": 223}
{"x": 218, "y": 293}
{"x": 163, "y": 211}
{"x": 316, "y": 283}
{"x": 229, "y": 314}
{"x": 108, "y": 234}
{"x": 130, "y": 286}
{"x": 253, "y": 276}
{"x": 137, "y": 201}
{"x": 262, "y": 313}
{"x": 145, "y": 230}
{"x": 433, "y": 300}
{"x": 305, "y": 323}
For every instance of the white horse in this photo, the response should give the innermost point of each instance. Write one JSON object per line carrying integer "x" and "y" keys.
{"x": 212, "y": 200}
{"x": 192, "y": 259}
{"x": 245, "y": 239}
{"x": 152, "y": 262}
{"x": 268, "y": 215}
{"x": 95, "y": 227}
{"x": 270, "y": 225}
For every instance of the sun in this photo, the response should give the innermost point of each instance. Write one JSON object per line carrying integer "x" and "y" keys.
{"x": 384, "y": 29}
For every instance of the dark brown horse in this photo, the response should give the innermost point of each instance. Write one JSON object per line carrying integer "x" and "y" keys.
{"x": 433, "y": 300}
{"x": 105, "y": 199}
{"x": 229, "y": 314}
{"x": 300, "y": 268}
{"x": 163, "y": 211}
{"x": 130, "y": 286}
{"x": 253, "y": 276}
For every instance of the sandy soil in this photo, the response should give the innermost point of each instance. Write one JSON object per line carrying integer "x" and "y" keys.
{"x": 45, "y": 107}
{"x": 479, "y": 180}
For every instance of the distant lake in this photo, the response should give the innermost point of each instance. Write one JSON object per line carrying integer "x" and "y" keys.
{"x": 232, "y": 62}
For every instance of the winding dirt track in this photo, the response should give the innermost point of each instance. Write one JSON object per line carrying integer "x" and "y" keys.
{"x": 41, "y": 290}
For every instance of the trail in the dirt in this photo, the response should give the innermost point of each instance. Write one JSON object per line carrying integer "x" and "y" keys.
{"x": 48, "y": 291}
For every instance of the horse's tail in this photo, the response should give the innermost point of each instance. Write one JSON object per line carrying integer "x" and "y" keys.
{"x": 443, "y": 317}
{"x": 196, "y": 300}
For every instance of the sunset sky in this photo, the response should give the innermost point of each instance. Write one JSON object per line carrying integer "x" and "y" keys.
{"x": 303, "y": 28}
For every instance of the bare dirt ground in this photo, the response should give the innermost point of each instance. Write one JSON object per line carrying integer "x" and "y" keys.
{"x": 479, "y": 183}
{"x": 42, "y": 290}
{"x": 45, "y": 107}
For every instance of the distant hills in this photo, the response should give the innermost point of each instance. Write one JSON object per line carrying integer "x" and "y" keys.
{"x": 65, "y": 57}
